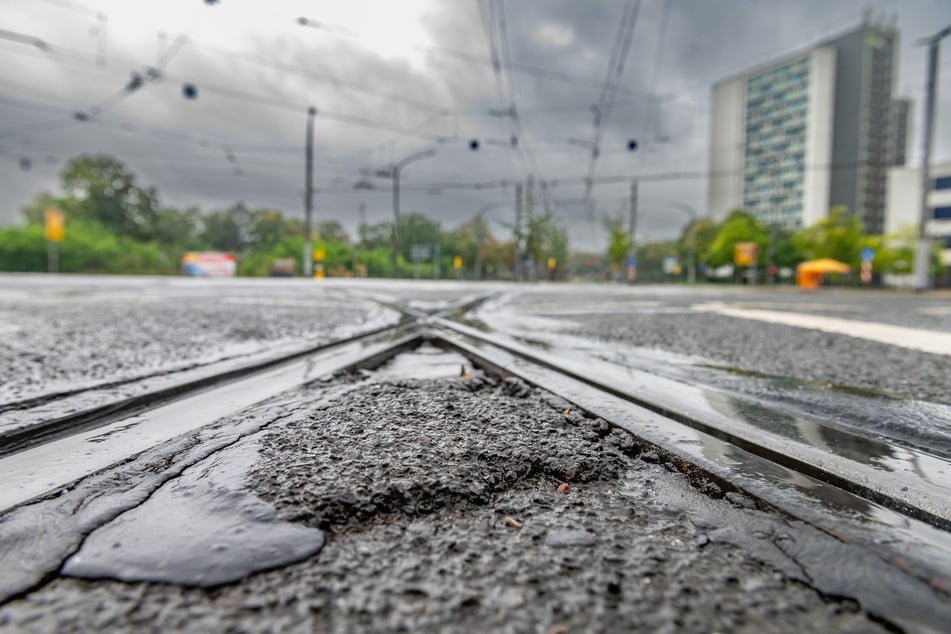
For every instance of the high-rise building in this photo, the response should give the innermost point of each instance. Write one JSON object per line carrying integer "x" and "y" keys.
{"x": 819, "y": 128}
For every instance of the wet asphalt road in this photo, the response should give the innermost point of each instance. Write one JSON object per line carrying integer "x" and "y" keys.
{"x": 446, "y": 505}
{"x": 412, "y": 499}
{"x": 88, "y": 332}
{"x": 678, "y": 322}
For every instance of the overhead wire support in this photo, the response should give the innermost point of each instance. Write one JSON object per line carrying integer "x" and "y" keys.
{"x": 521, "y": 146}
{"x": 605, "y": 105}
{"x": 652, "y": 102}
{"x": 150, "y": 74}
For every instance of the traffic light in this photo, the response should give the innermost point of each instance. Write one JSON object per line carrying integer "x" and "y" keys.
{"x": 631, "y": 145}
{"x": 189, "y": 91}
{"x": 474, "y": 145}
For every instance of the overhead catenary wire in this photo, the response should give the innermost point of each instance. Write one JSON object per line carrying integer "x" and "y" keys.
{"x": 655, "y": 73}
{"x": 283, "y": 103}
{"x": 430, "y": 50}
{"x": 478, "y": 60}
{"x": 615, "y": 71}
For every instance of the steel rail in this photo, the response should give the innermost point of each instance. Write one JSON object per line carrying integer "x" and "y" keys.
{"x": 29, "y": 435}
{"x": 905, "y": 493}
{"x": 86, "y": 417}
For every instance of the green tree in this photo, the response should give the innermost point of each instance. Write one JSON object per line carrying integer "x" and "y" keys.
{"x": 416, "y": 228}
{"x": 268, "y": 227}
{"x": 230, "y": 229}
{"x": 105, "y": 191}
{"x": 619, "y": 240}
{"x": 838, "y": 236}
{"x": 546, "y": 238}
{"x": 333, "y": 231}
{"x": 704, "y": 232}
{"x": 34, "y": 212}
{"x": 650, "y": 260}
{"x": 379, "y": 235}
{"x": 739, "y": 226}
{"x": 177, "y": 227}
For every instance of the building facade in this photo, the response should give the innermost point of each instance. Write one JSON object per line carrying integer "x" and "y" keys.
{"x": 903, "y": 213}
{"x": 817, "y": 129}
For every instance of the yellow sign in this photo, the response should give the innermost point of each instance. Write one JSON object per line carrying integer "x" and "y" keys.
{"x": 744, "y": 253}
{"x": 320, "y": 254}
{"x": 457, "y": 263}
{"x": 55, "y": 230}
{"x": 552, "y": 264}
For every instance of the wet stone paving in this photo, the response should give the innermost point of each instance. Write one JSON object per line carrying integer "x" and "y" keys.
{"x": 436, "y": 504}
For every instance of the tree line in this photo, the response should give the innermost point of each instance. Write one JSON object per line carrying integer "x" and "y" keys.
{"x": 114, "y": 224}
{"x": 838, "y": 236}
{"x": 117, "y": 225}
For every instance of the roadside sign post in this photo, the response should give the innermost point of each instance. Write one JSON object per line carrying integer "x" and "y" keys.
{"x": 419, "y": 253}
{"x": 631, "y": 268}
{"x": 319, "y": 256}
{"x": 55, "y": 232}
{"x": 868, "y": 254}
{"x": 745, "y": 254}
{"x": 209, "y": 264}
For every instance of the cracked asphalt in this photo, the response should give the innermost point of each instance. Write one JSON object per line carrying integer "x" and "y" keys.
{"x": 414, "y": 499}
{"x": 461, "y": 505}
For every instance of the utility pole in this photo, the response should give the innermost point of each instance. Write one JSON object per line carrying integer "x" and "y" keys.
{"x": 771, "y": 254}
{"x": 923, "y": 248}
{"x": 480, "y": 238}
{"x": 395, "y": 174}
{"x": 518, "y": 232}
{"x": 396, "y": 221}
{"x": 631, "y": 239}
{"x": 529, "y": 215}
{"x": 308, "y": 267}
{"x": 358, "y": 250}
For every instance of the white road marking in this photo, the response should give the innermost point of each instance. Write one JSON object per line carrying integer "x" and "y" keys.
{"x": 913, "y": 338}
{"x": 571, "y": 305}
{"x": 935, "y": 310}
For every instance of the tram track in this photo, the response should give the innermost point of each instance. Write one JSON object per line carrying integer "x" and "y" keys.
{"x": 894, "y": 485}
{"x": 16, "y": 436}
{"x": 909, "y": 481}
{"x": 720, "y": 458}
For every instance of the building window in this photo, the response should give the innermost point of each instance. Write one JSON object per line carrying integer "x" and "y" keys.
{"x": 941, "y": 213}
{"x": 942, "y": 182}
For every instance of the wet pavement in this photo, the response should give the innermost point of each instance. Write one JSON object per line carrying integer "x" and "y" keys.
{"x": 426, "y": 495}
{"x": 72, "y": 336}
{"x": 436, "y": 504}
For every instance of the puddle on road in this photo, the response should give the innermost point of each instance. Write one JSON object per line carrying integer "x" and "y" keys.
{"x": 205, "y": 528}
{"x": 201, "y": 529}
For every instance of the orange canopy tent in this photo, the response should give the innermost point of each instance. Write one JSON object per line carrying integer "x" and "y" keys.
{"x": 809, "y": 273}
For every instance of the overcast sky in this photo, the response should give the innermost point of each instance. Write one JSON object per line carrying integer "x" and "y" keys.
{"x": 387, "y": 81}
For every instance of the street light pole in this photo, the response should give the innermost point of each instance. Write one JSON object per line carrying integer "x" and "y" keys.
{"x": 395, "y": 172}
{"x": 691, "y": 240}
{"x": 308, "y": 266}
{"x": 923, "y": 250}
{"x": 631, "y": 236}
{"x": 480, "y": 238}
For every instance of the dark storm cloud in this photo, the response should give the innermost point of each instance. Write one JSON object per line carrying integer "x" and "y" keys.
{"x": 177, "y": 145}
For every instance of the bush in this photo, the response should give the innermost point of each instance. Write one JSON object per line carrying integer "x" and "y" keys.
{"x": 86, "y": 248}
